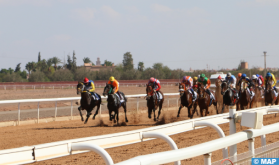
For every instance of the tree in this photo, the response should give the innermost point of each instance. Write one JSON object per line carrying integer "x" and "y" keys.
{"x": 69, "y": 64}
{"x": 39, "y": 57}
{"x": 86, "y": 60}
{"x": 49, "y": 63}
{"x": 63, "y": 75}
{"x": 140, "y": 66}
{"x": 17, "y": 69}
{"x": 55, "y": 61}
{"x": 28, "y": 67}
{"x": 158, "y": 66}
{"x": 74, "y": 66}
{"x": 107, "y": 63}
{"x": 37, "y": 77}
{"x": 128, "y": 61}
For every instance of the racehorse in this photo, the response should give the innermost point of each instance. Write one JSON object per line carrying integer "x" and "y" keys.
{"x": 87, "y": 102}
{"x": 269, "y": 96}
{"x": 153, "y": 102}
{"x": 218, "y": 94}
{"x": 228, "y": 95}
{"x": 259, "y": 92}
{"x": 186, "y": 100}
{"x": 204, "y": 100}
{"x": 114, "y": 103}
{"x": 245, "y": 98}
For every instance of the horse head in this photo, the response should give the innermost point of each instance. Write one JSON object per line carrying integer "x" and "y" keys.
{"x": 107, "y": 90}
{"x": 149, "y": 91}
{"x": 243, "y": 86}
{"x": 201, "y": 90}
{"x": 80, "y": 87}
{"x": 218, "y": 83}
{"x": 269, "y": 85}
{"x": 181, "y": 88}
{"x": 224, "y": 87}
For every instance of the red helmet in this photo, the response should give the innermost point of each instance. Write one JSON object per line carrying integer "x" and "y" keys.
{"x": 152, "y": 79}
{"x": 219, "y": 77}
{"x": 195, "y": 86}
{"x": 85, "y": 80}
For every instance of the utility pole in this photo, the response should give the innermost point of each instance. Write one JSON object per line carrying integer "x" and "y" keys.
{"x": 264, "y": 62}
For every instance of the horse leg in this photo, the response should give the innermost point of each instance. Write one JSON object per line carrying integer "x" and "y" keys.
{"x": 149, "y": 112}
{"x": 195, "y": 109}
{"x": 97, "y": 110}
{"x": 114, "y": 117}
{"x": 159, "y": 112}
{"x": 124, "y": 106}
{"x": 117, "y": 118}
{"x": 179, "y": 110}
{"x": 223, "y": 108}
{"x": 80, "y": 114}
{"x": 87, "y": 116}
{"x": 201, "y": 112}
{"x": 154, "y": 114}
{"x": 206, "y": 111}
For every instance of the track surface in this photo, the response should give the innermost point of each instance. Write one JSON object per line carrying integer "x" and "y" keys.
{"x": 28, "y": 135}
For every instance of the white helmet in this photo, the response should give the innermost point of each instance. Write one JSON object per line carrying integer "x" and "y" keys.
{"x": 254, "y": 77}
{"x": 199, "y": 76}
{"x": 229, "y": 74}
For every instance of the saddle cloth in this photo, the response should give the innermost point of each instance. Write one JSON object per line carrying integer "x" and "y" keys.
{"x": 275, "y": 93}
{"x": 253, "y": 94}
{"x": 95, "y": 96}
{"x": 121, "y": 101}
{"x": 193, "y": 94}
{"x": 159, "y": 95}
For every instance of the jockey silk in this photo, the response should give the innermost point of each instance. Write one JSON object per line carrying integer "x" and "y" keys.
{"x": 156, "y": 84}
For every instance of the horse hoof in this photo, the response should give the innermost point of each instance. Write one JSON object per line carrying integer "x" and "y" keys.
{"x": 149, "y": 117}
{"x": 177, "y": 115}
{"x": 126, "y": 121}
{"x": 114, "y": 121}
{"x": 155, "y": 120}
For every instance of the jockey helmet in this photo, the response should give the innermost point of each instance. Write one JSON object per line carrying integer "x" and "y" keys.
{"x": 219, "y": 77}
{"x": 254, "y": 77}
{"x": 229, "y": 74}
{"x": 199, "y": 76}
{"x": 243, "y": 75}
{"x": 152, "y": 79}
{"x": 195, "y": 86}
{"x": 195, "y": 78}
{"x": 257, "y": 75}
{"x": 85, "y": 80}
{"x": 111, "y": 78}
{"x": 268, "y": 74}
{"x": 239, "y": 75}
{"x": 202, "y": 75}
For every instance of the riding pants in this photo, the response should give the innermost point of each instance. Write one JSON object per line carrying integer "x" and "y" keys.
{"x": 192, "y": 90}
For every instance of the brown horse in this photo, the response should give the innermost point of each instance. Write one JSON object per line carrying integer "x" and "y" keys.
{"x": 218, "y": 94}
{"x": 153, "y": 102}
{"x": 186, "y": 100}
{"x": 87, "y": 102}
{"x": 245, "y": 98}
{"x": 204, "y": 100}
{"x": 269, "y": 96}
{"x": 259, "y": 91}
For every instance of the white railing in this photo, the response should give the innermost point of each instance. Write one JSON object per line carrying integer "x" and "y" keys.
{"x": 58, "y": 149}
{"x": 68, "y": 99}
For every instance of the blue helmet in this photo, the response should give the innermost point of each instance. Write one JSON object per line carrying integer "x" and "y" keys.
{"x": 268, "y": 74}
{"x": 243, "y": 75}
{"x": 257, "y": 75}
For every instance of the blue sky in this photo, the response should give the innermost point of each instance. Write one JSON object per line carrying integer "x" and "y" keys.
{"x": 179, "y": 34}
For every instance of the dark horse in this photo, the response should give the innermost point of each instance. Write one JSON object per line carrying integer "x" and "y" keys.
{"x": 87, "y": 102}
{"x": 114, "y": 103}
{"x": 228, "y": 95}
{"x": 204, "y": 100}
{"x": 153, "y": 102}
{"x": 245, "y": 98}
{"x": 186, "y": 100}
{"x": 259, "y": 91}
{"x": 269, "y": 96}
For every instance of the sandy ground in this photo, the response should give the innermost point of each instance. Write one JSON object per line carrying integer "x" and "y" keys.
{"x": 13, "y": 137}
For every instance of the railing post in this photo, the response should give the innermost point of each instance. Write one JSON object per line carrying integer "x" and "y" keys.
{"x": 168, "y": 102}
{"x": 72, "y": 110}
{"x": 207, "y": 159}
{"x": 177, "y": 102}
{"x": 55, "y": 111}
{"x": 137, "y": 104}
{"x": 233, "y": 148}
{"x": 100, "y": 110}
{"x": 18, "y": 117}
{"x": 251, "y": 146}
{"x": 38, "y": 112}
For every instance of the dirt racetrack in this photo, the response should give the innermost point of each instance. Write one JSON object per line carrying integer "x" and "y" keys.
{"x": 28, "y": 135}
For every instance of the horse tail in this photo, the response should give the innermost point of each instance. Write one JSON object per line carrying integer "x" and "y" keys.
{"x": 100, "y": 98}
{"x": 124, "y": 97}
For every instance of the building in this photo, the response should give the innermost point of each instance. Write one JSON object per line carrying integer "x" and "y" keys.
{"x": 244, "y": 65}
{"x": 98, "y": 66}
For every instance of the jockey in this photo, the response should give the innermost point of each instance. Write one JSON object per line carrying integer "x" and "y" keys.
{"x": 270, "y": 76}
{"x": 206, "y": 82}
{"x": 115, "y": 85}
{"x": 260, "y": 80}
{"x": 89, "y": 86}
{"x": 155, "y": 84}
{"x": 231, "y": 82}
{"x": 238, "y": 78}
{"x": 257, "y": 80}
{"x": 188, "y": 81}
{"x": 249, "y": 83}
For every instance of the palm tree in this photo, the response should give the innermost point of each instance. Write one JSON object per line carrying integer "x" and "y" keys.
{"x": 140, "y": 66}
{"x": 55, "y": 61}
{"x": 86, "y": 60}
{"x": 49, "y": 63}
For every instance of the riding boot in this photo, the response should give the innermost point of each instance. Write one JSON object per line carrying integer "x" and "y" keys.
{"x": 154, "y": 98}
{"x": 275, "y": 89}
{"x": 119, "y": 95}
{"x": 194, "y": 96}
